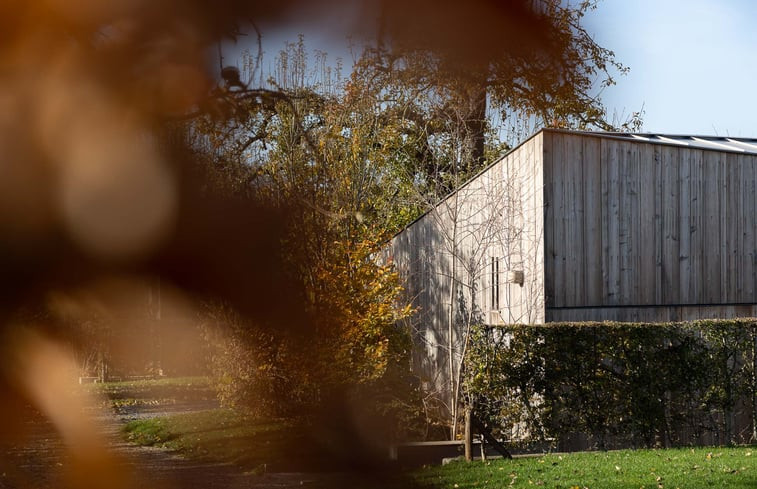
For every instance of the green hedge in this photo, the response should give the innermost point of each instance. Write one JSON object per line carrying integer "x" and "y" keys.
{"x": 620, "y": 384}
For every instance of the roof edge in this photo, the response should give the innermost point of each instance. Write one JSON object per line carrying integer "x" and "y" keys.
{"x": 483, "y": 170}
{"x": 618, "y": 136}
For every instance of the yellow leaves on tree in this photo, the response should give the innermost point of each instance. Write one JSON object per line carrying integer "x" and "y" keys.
{"x": 357, "y": 313}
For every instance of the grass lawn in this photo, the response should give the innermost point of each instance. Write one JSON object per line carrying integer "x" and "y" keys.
{"x": 177, "y": 387}
{"x": 684, "y": 468}
{"x": 156, "y": 392}
{"x": 222, "y": 435}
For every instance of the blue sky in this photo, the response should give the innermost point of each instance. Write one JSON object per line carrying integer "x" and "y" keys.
{"x": 693, "y": 62}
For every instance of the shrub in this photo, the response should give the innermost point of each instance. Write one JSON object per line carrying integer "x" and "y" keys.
{"x": 256, "y": 371}
{"x": 619, "y": 383}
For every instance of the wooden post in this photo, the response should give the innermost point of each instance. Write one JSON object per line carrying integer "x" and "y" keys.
{"x": 102, "y": 373}
{"x": 468, "y": 437}
{"x": 754, "y": 384}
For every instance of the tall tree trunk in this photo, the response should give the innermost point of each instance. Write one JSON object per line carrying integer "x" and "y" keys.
{"x": 472, "y": 131}
{"x": 451, "y": 321}
{"x": 468, "y": 438}
{"x": 475, "y": 127}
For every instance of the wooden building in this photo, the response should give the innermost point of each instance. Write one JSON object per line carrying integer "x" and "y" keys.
{"x": 584, "y": 226}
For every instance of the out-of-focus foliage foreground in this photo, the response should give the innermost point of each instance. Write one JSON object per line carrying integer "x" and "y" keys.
{"x": 137, "y": 182}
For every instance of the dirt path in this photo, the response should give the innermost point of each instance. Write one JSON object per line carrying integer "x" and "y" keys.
{"x": 41, "y": 461}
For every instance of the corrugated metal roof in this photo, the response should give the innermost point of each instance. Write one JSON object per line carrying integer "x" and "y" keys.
{"x": 722, "y": 143}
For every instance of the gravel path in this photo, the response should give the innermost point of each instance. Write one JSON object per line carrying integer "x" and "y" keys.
{"x": 41, "y": 460}
{"x": 130, "y": 413}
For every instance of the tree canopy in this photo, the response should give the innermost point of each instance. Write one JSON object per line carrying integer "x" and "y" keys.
{"x": 352, "y": 159}
{"x": 273, "y": 198}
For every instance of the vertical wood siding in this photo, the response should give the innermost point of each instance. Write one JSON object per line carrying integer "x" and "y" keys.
{"x": 651, "y": 314}
{"x": 497, "y": 215}
{"x": 631, "y": 223}
{"x": 602, "y": 228}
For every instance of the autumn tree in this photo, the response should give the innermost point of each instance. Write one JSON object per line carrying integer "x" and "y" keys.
{"x": 459, "y": 106}
{"x": 321, "y": 155}
{"x": 354, "y": 159}
{"x": 88, "y": 193}
{"x": 540, "y": 68}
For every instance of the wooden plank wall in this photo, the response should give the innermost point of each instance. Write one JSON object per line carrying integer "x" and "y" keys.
{"x": 500, "y": 215}
{"x": 517, "y": 237}
{"x": 631, "y": 223}
{"x": 603, "y": 228}
{"x": 650, "y": 314}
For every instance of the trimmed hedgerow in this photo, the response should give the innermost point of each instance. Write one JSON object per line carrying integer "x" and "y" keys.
{"x": 617, "y": 384}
